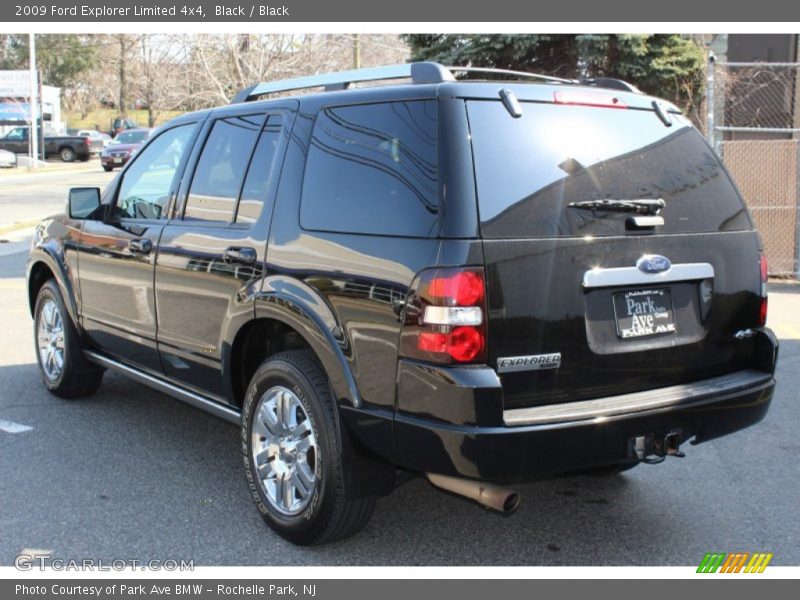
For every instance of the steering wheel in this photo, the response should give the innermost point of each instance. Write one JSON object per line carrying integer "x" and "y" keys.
{"x": 134, "y": 206}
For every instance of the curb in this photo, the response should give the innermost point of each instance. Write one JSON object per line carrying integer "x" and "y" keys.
{"x": 20, "y": 225}
{"x": 57, "y": 168}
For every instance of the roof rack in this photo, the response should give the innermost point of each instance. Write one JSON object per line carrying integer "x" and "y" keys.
{"x": 418, "y": 72}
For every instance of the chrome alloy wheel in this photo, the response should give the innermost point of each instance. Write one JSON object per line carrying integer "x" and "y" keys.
{"x": 50, "y": 340}
{"x": 284, "y": 450}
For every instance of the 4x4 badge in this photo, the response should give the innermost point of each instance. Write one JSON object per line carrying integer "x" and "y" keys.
{"x": 533, "y": 362}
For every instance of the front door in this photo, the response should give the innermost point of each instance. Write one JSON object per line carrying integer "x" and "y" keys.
{"x": 17, "y": 141}
{"x": 117, "y": 255}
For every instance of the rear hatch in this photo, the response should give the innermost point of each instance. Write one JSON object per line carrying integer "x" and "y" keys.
{"x": 581, "y": 301}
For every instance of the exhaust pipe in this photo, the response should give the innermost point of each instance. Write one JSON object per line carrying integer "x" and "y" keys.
{"x": 491, "y": 496}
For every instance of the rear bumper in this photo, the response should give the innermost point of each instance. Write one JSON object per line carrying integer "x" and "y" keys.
{"x": 109, "y": 161}
{"x": 530, "y": 451}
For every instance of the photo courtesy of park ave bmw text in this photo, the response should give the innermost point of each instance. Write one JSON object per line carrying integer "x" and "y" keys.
{"x": 294, "y": 290}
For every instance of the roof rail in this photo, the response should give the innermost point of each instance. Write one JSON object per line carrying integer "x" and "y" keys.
{"x": 419, "y": 72}
{"x": 518, "y": 74}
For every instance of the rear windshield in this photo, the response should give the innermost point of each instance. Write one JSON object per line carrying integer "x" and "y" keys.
{"x": 529, "y": 169}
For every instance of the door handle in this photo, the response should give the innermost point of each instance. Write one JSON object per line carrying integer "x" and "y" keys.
{"x": 243, "y": 256}
{"x": 140, "y": 246}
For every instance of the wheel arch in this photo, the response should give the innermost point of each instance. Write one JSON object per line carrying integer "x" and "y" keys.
{"x": 283, "y": 322}
{"x": 43, "y": 265}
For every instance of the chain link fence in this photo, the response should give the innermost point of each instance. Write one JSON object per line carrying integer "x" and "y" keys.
{"x": 753, "y": 122}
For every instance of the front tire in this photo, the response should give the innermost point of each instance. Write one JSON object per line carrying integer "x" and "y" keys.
{"x": 64, "y": 370}
{"x": 292, "y": 455}
{"x": 107, "y": 169}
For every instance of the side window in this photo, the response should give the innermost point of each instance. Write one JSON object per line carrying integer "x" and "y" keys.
{"x": 17, "y": 134}
{"x": 260, "y": 172}
{"x": 220, "y": 169}
{"x": 372, "y": 169}
{"x": 146, "y": 185}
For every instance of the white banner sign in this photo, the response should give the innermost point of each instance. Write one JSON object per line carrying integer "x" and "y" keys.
{"x": 15, "y": 84}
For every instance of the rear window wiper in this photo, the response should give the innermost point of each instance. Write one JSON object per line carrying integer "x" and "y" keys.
{"x": 641, "y": 206}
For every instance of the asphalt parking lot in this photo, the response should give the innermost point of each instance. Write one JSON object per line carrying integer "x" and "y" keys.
{"x": 132, "y": 474}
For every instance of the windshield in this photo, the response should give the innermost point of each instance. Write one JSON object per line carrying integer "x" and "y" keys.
{"x": 529, "y": 169}
{"x": 131, "y": 137}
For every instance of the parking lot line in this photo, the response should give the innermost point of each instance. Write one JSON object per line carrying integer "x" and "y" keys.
{"x": 11, "y": 427}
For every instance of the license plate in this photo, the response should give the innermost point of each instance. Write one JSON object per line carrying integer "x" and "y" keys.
{"x": 641, "y": 313}
{"x": 117, "y": 161}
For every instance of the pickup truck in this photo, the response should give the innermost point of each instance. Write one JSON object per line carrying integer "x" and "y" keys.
{"x": 67, "y": 147}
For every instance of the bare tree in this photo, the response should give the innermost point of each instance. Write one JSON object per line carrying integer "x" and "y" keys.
{"x": 223, "y": 64}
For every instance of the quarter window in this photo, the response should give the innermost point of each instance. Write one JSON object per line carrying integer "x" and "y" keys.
{"x": 372, "y": 169}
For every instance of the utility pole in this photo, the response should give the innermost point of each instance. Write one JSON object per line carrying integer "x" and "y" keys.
{"x": 356, "y": 51}
{"x": 33, "y": 135}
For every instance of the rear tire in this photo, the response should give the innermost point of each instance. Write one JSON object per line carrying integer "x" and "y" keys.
{"x": 67, "y": 154}
{"x": 64, "y": 370}
{"x": 298, "y": 483}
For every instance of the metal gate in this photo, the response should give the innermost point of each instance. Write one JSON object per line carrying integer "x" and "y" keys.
{"x": 753, "y": 122}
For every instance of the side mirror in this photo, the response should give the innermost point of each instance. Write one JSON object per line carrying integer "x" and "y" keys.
{"x": 84, "y": 203}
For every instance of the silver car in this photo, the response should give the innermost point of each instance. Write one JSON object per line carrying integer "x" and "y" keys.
{"x": 7, "y": 159}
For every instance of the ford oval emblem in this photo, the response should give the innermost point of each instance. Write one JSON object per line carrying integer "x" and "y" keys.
{"x": 653, "y": 263}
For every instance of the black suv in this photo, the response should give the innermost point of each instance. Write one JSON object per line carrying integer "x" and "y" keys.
{"x": 485, "y": 282}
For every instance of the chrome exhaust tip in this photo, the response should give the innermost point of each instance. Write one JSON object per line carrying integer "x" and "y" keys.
{"x": 501, "y": 499}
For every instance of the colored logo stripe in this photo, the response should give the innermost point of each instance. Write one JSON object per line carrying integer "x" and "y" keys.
{"x": 734, "y": 562}
{"x": 758, "y": 563}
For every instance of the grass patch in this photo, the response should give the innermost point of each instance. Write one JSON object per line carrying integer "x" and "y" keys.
{"x": 100, "y": 118}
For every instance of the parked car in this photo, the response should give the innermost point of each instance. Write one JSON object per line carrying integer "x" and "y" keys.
{"x": 7, "y": 159}
{"x": 95, "y": 137}
{"x": 481, "y": 282}
{"x": 106, "y": 139}
{"x": 122, "y": 147}
{"x": 67, "y": 147}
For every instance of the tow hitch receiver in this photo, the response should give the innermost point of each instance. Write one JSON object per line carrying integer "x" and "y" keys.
{"x": 654, "y": 448}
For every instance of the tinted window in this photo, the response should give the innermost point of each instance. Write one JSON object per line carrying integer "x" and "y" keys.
{"x": 17, "y": 134}
{"x": 146, "y": 185}
{"x": 259, "y": 173}
{"x": 372, "y": 169}
{"x": 131, "y": 137}
{"x": 529, "y": 169}
{"x": 220, "y": 170}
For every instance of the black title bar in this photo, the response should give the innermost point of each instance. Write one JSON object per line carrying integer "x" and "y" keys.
{"x": 263, "y": 11}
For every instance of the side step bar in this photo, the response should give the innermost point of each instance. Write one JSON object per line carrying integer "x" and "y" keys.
{"x": 198, "y": 401}
{"x": 637, "y": 402}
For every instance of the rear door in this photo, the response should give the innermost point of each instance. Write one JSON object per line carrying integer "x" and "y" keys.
{"x": 583, "y": 302}
{"x": 211, "y": 256}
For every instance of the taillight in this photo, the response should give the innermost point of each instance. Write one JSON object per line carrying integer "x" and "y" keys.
{"x": 584, "y": 98}
{"x": 87, "y": 141}
{"x": 762, "y": 310}
{"x": 445, "y": 317}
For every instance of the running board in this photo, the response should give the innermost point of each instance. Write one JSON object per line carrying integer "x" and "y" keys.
{"x": 205, "y": 404}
